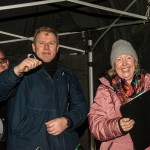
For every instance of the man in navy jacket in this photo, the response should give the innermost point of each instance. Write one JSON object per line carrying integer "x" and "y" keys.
{"x": 46, "y": 103}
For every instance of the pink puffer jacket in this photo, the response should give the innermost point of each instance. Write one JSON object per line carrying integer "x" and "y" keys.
{"x": 104, "y": 115}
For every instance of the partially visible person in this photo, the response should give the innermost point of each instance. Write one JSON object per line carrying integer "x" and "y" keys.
{"x": 46, "y": 103}
{"x": 124, "y": 81}
{"x": 4, "y": 63}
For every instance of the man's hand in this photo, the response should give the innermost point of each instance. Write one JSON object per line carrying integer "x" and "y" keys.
{"x": 56, "y": 126}
{"x": 27, "y": 65}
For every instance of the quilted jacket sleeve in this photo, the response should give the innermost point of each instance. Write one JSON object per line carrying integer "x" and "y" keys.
{"x": 103, "y": 121}
{"x": 147, "y": 81}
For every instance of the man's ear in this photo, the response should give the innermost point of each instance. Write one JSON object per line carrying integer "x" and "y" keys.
{"x": 33, "y": 47}
{"x": 57, "y": 48}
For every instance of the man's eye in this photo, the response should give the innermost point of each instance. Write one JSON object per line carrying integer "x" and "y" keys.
{"x": 51, "y": 43}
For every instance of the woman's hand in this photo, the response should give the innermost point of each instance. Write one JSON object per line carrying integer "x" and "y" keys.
{"x": 126, "y": 124}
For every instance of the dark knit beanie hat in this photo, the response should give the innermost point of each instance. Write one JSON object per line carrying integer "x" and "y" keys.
{"x": 122, "y": 47}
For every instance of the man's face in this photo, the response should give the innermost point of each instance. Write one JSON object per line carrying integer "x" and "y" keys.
{"x": 45, "y": 46}
{"x": 3, "y": 62}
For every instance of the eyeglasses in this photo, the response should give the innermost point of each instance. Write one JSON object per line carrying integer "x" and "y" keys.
{"x": 3, "y": 61}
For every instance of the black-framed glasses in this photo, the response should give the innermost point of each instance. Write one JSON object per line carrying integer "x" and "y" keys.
{"x": 3, "y": 60}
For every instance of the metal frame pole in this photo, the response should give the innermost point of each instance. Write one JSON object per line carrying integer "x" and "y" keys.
{"x": 90, "y": 62}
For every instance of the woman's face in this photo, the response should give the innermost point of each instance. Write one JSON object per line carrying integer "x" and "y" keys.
{"x": 125, "y": 67}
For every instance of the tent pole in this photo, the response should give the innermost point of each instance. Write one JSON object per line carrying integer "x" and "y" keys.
{"x": 90, "y": 64}
{"x": 108, "y": 9}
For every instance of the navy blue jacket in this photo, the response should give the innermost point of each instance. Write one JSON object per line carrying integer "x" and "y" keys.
{"x": 35, "y": 98}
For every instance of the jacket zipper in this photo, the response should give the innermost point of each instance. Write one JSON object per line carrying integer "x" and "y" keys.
{"x": 109, "y": 147}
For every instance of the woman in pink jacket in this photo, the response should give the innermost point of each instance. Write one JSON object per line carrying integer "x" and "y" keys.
{"x": 124, "y": 81}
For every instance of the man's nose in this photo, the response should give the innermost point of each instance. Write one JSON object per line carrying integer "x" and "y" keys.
{"x": 46, "y": 46}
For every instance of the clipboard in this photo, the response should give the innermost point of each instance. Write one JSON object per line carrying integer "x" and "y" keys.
{"x": 138, "y": 109}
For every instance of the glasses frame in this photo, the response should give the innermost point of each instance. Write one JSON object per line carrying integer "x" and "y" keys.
{"x": 3, "y": 61}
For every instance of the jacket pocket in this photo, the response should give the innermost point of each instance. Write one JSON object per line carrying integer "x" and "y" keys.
{"x": 32, "y": 122}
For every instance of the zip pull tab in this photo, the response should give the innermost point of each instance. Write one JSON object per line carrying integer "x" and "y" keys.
{"x": 38, "y": 148}
{"x": 78, "y": 147}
